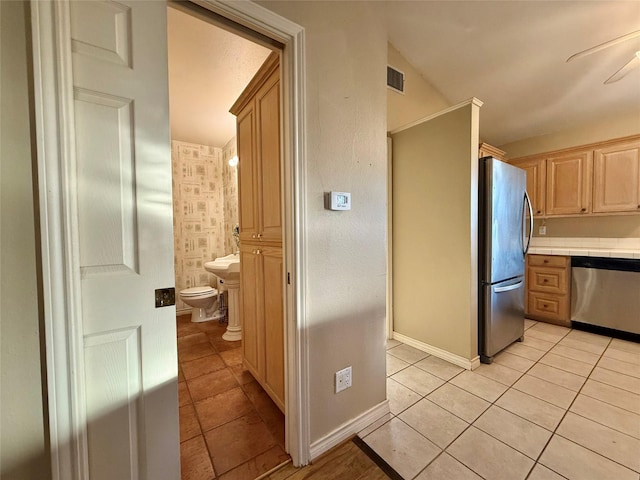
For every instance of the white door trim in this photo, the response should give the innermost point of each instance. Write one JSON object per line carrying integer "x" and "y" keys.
{"x": 291, "y": 35}
{"x": 53, "y": 94}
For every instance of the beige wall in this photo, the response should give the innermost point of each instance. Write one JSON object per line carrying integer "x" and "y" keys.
{"x": 622, "y": 226}
{"x": 420, "y": 98}
{"x": 346, "y": 57}
{"x": 23, "y": 446}
{"x": 434, "y": 231}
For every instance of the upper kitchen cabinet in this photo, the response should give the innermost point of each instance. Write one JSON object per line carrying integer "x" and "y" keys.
{"x": 536, "y": 178}
{"x": 258, "y": 130}
{"x": 568, "y": 184}
{"x": 616, "y": 178}
{"x": 486, "y": 150}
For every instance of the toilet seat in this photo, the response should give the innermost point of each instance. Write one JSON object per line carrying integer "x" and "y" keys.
{"x": 204, "y": 292}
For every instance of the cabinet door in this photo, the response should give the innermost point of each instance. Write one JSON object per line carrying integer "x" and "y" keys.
{"x": 247, "y": 175}
{"x": 251, "y": 309}
{"x": 274, "y": 324}
{"x": 536, "y": 179}
{"x": 568, "y": 185}
{"x": 616, "y": 178}
{"x": 268, "y": 147}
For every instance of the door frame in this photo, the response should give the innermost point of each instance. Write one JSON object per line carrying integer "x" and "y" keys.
{"x": 60, "y": 295}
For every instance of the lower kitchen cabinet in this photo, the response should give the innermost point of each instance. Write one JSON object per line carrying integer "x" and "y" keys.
{"x": 548, "y": 280}
{"x": 262, "y": 314}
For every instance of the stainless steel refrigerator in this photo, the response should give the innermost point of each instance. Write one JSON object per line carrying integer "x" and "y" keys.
{"x": 504, "y": 237}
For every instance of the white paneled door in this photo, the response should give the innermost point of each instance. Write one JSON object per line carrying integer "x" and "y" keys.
{"x": 115, "y": 194}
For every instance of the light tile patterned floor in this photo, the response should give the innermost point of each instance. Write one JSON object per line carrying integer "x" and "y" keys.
{"x": 561, "y": 404}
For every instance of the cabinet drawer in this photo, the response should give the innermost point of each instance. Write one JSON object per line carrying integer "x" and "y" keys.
{"x": 550, "y": 280}
{"x": 554, "y": 307}
{"x": 547, "y": 261}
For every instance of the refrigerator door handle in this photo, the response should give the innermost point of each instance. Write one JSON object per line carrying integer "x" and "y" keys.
{"x": 527, "y": 202}
{"x": 508, "y": 287}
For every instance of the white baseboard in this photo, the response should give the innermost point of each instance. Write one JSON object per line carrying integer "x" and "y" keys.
{"x": 348, "y": 429}
{"x": 438, "y": 352}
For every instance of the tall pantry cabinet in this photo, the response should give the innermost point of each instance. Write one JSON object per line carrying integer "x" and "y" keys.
{"x": 260, "y": 197}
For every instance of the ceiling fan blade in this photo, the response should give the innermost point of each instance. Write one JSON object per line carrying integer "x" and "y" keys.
{"x": 604, "y": 45}
{"x": 620, "y": 74}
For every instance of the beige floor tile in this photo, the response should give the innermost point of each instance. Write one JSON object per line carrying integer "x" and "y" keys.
{"x": 567, "y": 364}
{"x": 625, "y": 346}
{"x": 531, "y": 408}
{"x": 568, "y": 341}
{"x": 499, "y": 373}
{"x": 619, "y": 380}
{"x": 540, "y": 472}
{"x": 525, "y": 351}
{"x": 459, "y": 402}
{"x": 445, "y": 467}
{"x": 481, "y": 386}
{"x": 575, "y": 354}
{"x": 515, "y": 362}
{"x": 438, "y": 367}
{"x": 528, "y": 323}
{"x": 620, "y": 367}
{"x": 612, "y": 395}
{"x": 375, "y": 425}
{"x": 394, "y": 365}
{"x": 623, "y": 356}
{"x": 418, "y": 380}
{"x": 434, "y": 422}
{"x": 609, "y": 443}
{"x": 399, "y": 396}
{"x": 537, "y": 343}
{"x": 556, "y": 376}
{"x": 404, "y": 449}
{"x": 608, "y": 415}
{"x": 547, "y": 391}
{"x": 557, "y": 330}
{"x": 515, "y": 431}
{"x": 539, "y": 334}
{"x": 587, "y": 337}
{"x": 392, "y": 342}
{"x": 478, "y": 451}
{"x": 407, "y": 353}
{"x": 578, "y": 463}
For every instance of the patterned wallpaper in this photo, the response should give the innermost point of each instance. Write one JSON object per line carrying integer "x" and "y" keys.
{"x": 201, "y": 198}
{"x": 230, "y": 175}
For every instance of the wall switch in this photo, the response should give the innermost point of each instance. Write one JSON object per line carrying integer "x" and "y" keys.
{"x": 542, "y": 230}
{"x": 343, "y": 379}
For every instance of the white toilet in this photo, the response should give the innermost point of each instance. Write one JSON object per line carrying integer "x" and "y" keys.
{"x": 203, "y": 302}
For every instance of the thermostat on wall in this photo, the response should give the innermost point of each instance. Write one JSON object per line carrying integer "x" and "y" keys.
{"x": 340, "y": 201}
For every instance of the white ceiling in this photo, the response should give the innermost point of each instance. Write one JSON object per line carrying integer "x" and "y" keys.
{"x": 512, "y": 56}
{"x": 208, "y": 69}
{"x": 509, "y": 54}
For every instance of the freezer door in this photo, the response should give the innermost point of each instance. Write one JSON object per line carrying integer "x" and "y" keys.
{"x": 504, "y": 216}
{"x": 503, "y": 316}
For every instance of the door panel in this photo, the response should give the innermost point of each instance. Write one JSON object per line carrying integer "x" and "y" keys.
{"x": 568, "y": 185}
{"x": 248, "y": 205}
{"x": 616, "y": 178}
{"x": 274, "y": 323}
{"x": 503, "y": 315}
{"x": 250, "y": 308}
{"x": 125, "y": 235}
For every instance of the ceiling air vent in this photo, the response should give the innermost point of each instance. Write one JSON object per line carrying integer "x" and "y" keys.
{"x": 395, "y": 79}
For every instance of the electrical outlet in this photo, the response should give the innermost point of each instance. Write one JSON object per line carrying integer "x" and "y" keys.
{"x": 542, "y": 230}
{"x": 343, "y": 379}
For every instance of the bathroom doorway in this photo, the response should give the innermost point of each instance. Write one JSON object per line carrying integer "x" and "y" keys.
{"x": 229, "y": 426}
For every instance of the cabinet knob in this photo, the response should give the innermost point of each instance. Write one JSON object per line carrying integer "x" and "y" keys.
{"x": 545, "y": 280}
{"x": 583, "y": 209}
{"x": 540, "y": 211}
{"x": 638, "y": 206}
{"x": 253, "y": 236}
{"x": 259, "y": 235}
{"x": 545, "y": 261}
{"x": 258, "y": 252}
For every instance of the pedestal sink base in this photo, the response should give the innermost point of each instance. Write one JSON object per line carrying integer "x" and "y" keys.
{"x": 234, "y": 329}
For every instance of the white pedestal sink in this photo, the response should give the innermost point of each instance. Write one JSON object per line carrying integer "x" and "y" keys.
{"x": 228, "y": 270}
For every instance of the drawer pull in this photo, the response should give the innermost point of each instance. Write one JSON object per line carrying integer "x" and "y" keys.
{"x": 545, "y": 261}
{"x": 545, "y": 280}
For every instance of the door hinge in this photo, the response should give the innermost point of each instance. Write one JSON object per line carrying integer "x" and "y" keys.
{"x": 288, "y": 278}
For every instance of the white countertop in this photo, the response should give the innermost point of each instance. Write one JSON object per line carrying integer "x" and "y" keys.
{"x": 586, "y": 247}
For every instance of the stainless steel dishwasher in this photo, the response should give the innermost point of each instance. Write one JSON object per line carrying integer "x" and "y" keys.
{"x": 605, "y": 292}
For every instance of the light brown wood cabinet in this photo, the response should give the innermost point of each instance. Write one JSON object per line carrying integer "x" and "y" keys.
{"x": 486, "y": 150}
{"x": 548, "y": 280}
{"x": 568, "y": 184}
{"x": 598, "y": 179}
{"x": 260, "y": 210}
{"x": 616, "y": 178}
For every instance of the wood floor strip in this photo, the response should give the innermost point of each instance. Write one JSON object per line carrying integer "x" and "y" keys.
{"x": 377, "y": 459}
